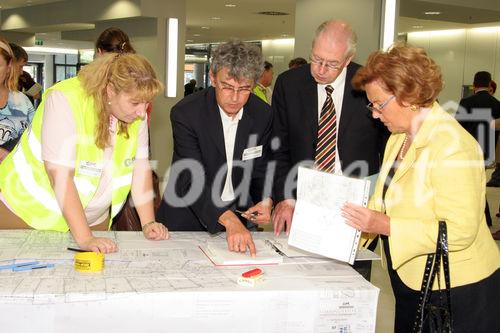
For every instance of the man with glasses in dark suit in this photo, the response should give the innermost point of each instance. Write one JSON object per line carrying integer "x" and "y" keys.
{"x": 355, "y": 141}
{"x": 221, "y": 152}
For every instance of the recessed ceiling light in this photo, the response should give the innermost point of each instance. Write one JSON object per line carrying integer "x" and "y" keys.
{"x": 273, "y": 13}
{"x": 230, "y": 5}
{"x": 189, "y": 40}
{"x": 205, "y": 28}
{"x": 432, "y": 13}
{"x": 284, "y": 35}
{"x": 196, "y": 35}
{"x": 216, "y": 18}
{"x": 417, "y": 26}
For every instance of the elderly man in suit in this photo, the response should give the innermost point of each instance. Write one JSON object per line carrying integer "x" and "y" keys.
{"x": 221, "y": 152}
{"x": 320, "y": 118}
{"x": 299, "y": 96}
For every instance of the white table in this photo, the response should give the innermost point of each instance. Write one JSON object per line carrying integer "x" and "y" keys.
{"x": 170, "y": 286}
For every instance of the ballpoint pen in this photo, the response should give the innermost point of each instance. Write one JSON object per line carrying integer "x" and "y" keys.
{"x": 254, "y": 214}
{"x": 275, "y": 248}
{"x": 31, "y": 267}
{"x": 23, "y": 264}
{"x": 74, "y": 249}
{"x": 26, "y": 266}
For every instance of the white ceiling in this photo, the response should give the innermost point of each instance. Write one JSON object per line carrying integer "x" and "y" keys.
{"x": 243, "y": 21}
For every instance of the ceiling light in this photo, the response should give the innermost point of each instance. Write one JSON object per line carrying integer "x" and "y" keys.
{"x": 196, "y": 35}
{"x": 205, "y": 28}
{"x": 432, "y": 13}
{"x": 215, "y": 18}
{"x": 190, "y": 41}
{"x": 284, "y": 35}
{"x": 230, "y": 5}
{"x": 272, "y": 13}
{"x": 417, "y": 26}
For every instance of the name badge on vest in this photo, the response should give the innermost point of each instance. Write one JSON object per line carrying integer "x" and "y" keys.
{"x": 252, "y": 152}
{"x": 91, "y": 169}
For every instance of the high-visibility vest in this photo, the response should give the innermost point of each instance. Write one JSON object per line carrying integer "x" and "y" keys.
{"x": 25, "y": 184}
{"x": 260, "y": 92}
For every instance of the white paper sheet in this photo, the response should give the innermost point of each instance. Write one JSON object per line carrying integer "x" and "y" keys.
{"x": 317, "y": 225}
{"x": 219, "y": 254}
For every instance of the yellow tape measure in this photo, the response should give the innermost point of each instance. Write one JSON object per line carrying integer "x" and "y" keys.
{"x": 89, "y": 262}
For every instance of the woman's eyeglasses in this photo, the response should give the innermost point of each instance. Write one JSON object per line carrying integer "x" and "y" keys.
{"x": 372, "y": 107}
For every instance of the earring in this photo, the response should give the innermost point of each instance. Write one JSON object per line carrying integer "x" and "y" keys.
{"x": 413, "y": 108}
{"x": 109, "y": 103}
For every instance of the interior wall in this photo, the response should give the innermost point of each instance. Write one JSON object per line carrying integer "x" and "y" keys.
{"x": 460, "y": 54}
{"x": 278, "y": 52}
{"x": 363, "y": 15}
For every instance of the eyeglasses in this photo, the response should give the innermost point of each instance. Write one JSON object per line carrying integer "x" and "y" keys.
{"x": 228, "y": 89}
{"x": 333, "y": 65}
{"x": 379, "y": 108}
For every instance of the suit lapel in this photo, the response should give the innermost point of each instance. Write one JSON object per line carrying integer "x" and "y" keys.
{"x": 214, "y": 123}
{"x": 347, "y": 114}
{"x": 242, "y": 134}
{"x": 309, "y": 99}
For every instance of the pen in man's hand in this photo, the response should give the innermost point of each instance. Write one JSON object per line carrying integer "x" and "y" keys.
{"x": 254, "y": 214}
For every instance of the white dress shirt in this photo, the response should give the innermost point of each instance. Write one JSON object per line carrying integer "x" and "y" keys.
{"x": 338, "y": 97}
{"x": 229, "y": 126}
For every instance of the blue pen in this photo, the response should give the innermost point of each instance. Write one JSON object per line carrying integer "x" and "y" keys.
{"x": 23, "y": 264}
{"x": 29, "y": 268}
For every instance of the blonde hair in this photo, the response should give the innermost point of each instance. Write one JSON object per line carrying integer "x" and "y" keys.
{"x": 128, "y": 73}
{"x": 12, "y": 74}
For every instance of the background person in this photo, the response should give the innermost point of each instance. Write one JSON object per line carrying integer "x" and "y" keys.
{"x": 433, "y": 171}
{"x": 25, "y": 83}
{"x": 16, "y": 111}
{"x": 297, "y": 62}
{"x": 216, "y": 129}
{"x": 262, "y": 87}
{"x": 113, "y": 40}
{"x": 86, "y": 149}
{"x": 190, "y": 87}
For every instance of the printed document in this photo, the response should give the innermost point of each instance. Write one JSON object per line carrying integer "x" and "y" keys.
{"x": 317, "y": 224}
{"x": 219, "y": 254}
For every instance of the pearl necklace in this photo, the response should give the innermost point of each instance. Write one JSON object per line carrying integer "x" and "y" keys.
{"x": 403, "y": 147}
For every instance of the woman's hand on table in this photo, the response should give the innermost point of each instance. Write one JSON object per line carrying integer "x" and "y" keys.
{"x": 98, "y": 244}
{"x": 365, "y": 219}
{"x": 155, "y": 231}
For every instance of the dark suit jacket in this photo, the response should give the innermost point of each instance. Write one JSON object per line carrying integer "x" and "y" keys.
{"x": 295, "y": 123}
{"x": 199, "y": 138}
{"x": 481, "y": 104}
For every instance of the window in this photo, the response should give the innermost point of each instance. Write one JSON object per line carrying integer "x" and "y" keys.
{"x": 65, "y": 66}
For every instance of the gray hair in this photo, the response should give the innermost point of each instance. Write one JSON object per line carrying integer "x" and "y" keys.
{"x": 343, "y": 27}
{"x": 243, "y": 60}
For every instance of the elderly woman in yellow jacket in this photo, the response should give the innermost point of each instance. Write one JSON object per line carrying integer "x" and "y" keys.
{"x": 434, "y": 172}
{"x": 86, "y": 148}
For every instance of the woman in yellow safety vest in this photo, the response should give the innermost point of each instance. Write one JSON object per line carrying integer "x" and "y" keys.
{"x": 86, "y": 149}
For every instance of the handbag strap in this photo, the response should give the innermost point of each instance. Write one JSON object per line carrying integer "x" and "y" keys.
{"x": 446, "y": 264}
{"x": 432, "y": 268}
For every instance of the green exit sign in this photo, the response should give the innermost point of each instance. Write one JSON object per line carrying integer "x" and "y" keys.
{"x": 39, "y": 42}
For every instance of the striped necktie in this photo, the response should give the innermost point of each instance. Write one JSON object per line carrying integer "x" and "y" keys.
{"x": 327, "y": 135}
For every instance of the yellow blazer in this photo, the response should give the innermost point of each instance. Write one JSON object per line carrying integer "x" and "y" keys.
{"x": 441, "y": 177}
